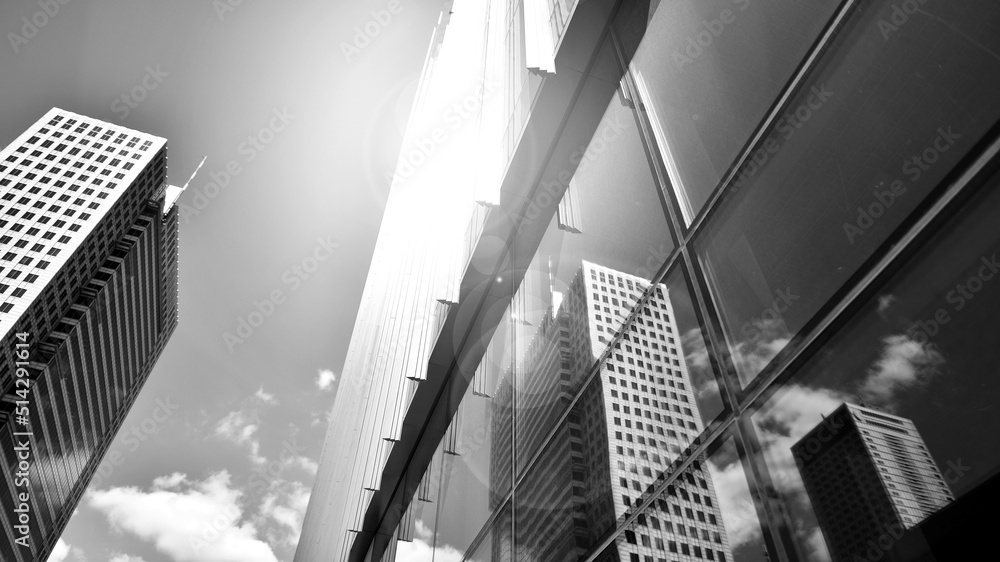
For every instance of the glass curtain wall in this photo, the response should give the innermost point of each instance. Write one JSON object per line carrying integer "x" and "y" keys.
{"x": 761, "y": 325}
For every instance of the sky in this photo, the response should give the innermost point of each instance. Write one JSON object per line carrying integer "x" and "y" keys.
{"x": 299, "y": 107}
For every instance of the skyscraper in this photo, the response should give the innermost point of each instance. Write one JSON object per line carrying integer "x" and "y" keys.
{"x": 633, "y": 421}
{"x": 88, "y": 301}
{"x": 868, "y": 474}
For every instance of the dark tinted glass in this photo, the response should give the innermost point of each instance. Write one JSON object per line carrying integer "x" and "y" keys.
{"x": 888, "y": 425}
{"x": 707, "y": 73}
{"x": 885, "y": 116}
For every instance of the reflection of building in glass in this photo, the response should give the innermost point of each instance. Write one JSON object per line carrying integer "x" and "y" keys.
{"x": 867, "y": 473}
{"x": 627, "y": 426}
{"x": 89, "y": 245}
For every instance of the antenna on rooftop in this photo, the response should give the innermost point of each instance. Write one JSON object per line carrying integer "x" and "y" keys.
{"x": 174, "y": 192}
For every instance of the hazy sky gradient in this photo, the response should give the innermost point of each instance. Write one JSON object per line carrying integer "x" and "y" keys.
{"x": 220, "y": 80}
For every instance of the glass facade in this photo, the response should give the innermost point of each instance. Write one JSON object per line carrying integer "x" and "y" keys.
{"x": 756, "y": 320}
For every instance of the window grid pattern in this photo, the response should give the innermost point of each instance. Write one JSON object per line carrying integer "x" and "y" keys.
{"x": 100, "y": 321}
{"x": 58, "y": 246}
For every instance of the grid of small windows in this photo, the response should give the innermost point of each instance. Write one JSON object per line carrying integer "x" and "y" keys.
{"x": 57, "y": 247}
{"x": 652, "y": 418}
{"x": 53, "y": 183}
{"x": 911, "y": 478}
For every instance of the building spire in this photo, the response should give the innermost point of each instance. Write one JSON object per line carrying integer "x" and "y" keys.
{"x": 174, "y": 192}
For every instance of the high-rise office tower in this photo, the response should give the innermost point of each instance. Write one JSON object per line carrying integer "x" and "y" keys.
{"x": 868, "y": 474}
{"x": 88, "y": 301}
{"x": 632, "y": 423}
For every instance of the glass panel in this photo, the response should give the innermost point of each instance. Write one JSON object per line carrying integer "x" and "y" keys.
{"x": 889, "y": 423}
{"x": 887, "y": 114}
{"x": 694, "y": 379}
{"x": 564, "y": 503}
{"x": 707, "y": 513}
{"x": 612, "y": 234}
{"x": 651, "y": 399}
{"x": 497, "y": 546}
{"x": 424, "y": 530}
{"x": 476, "y": 465}
{"x": 707, "y": 73}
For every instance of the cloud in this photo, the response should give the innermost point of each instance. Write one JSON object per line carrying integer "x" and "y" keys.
{"x": 60, "y": 552}
{"x": 322, "y": 418}
{"x": 240, "y": 427}
{"x": 192, "y": 522}
{"x": 904, "y": 363}
{"x": 325, "y": 379}
{"x": 285, "y": 508}
{"x": 168, "y": 482}
{"x": 265, "y": 397}
{"x": 126, "y": 558}
{"x": 303, "y": 462}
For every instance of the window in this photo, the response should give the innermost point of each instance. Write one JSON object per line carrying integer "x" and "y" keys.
{"x": 757, "y": 270}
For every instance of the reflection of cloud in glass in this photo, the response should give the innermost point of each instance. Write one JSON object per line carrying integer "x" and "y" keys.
{"x": 816, "y": 544}
{"x": 800, "y": 409}
{"x": 904, "y": 364}
{"x": 420, "y": 549}
{"x": 738, "y": 513}
{"x": 884, "y": 302}
{"x": 765, "y": 337}
{"x": 696, "y": 355}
